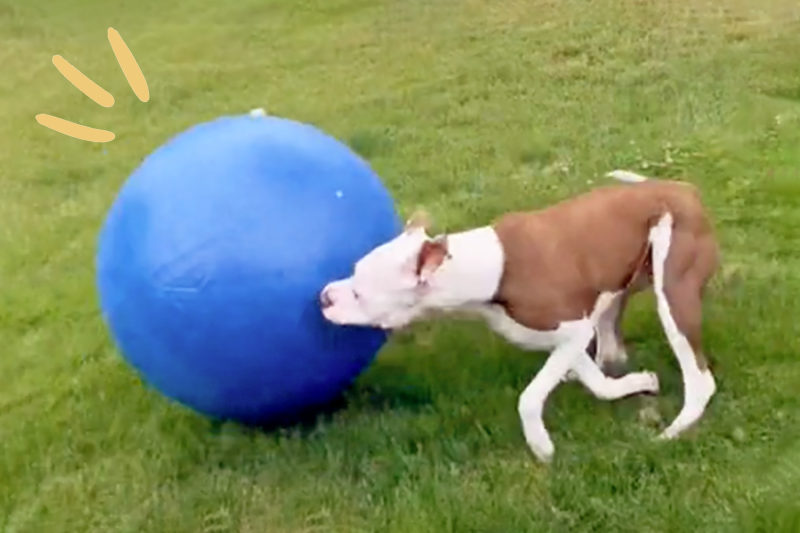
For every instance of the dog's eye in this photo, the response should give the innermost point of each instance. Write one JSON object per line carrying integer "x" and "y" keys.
{"x": 356, "y": 295}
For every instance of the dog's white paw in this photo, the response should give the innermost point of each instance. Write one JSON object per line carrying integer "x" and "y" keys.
{"x": 648, "y": 382}
{"x": 539, "y": 441}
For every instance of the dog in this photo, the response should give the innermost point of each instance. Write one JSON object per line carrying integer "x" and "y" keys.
{"x": 557, "y": 280}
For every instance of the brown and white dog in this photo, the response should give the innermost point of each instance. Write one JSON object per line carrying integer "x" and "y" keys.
{"x": 557, "y": 279}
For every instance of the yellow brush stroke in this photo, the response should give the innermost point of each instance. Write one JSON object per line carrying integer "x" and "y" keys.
{"x": 129, "y": 65}
{"x": 79, "y": 80}
{"x": 66, "y": 127}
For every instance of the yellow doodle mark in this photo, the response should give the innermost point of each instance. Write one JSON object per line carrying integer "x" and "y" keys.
{"x": 130, "y": 68}
{"x": 129, "y": 65}
{"x": 78, "y": 131}
{"x": 79, "y": 80}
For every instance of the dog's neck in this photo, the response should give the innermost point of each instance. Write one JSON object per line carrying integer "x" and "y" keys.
{"x": 472, "y": 273}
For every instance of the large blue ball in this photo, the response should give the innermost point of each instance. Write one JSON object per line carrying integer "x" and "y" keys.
{"x": 212, "y": 257}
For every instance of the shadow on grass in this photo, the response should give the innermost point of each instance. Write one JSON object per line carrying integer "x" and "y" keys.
{"x": 390, "y": 387}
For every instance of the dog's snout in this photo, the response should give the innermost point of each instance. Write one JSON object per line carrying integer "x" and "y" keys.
{"x": 325, "y": 298}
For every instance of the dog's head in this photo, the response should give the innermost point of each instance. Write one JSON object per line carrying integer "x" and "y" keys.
{"x": 389, "y": 284}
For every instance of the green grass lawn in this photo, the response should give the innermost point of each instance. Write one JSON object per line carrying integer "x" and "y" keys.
{"x": 465, "y": 107}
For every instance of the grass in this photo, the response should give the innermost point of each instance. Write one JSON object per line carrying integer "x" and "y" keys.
{"x": 470, "y": 108}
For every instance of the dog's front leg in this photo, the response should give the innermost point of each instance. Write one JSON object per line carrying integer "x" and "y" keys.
{"x": 533, "y": 398}
{"x": 608, "y": 388}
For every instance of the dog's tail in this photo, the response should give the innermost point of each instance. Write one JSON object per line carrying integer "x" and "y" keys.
{"x": 627, "y": 176}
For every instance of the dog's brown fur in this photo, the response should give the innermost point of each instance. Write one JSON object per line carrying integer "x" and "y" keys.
{"x": 598, "y": 242}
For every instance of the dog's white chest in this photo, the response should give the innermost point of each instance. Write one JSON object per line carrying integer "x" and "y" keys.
{"x": 529, "y": 339}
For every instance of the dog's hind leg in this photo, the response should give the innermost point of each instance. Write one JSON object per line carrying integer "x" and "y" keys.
{"x": 682, "y": 263}
{"x": 611, "y": 355}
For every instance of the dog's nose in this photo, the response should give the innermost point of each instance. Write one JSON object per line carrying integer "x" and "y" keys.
{"x": 325, "y": 299}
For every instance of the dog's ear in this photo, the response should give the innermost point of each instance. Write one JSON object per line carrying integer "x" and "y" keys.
{"x": 419, "y": 220}
{"x": 433, "y": 253}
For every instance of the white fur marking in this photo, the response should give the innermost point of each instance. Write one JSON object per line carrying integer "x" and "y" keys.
{"x": 606, "y": 338}
{"x": 519, "y": 335}
{"x": 570, "y": 341}
{"x": 532, "y": 400}
{"x": 589, "y": 372}
{"x": 626, "y": 176}
{"x": 608, "y": 388}
{"x": 698, "y": 386}
{"x": 609, "y": 349}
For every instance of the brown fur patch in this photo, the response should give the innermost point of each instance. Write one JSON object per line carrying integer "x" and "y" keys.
{"x": 561, "y": 258}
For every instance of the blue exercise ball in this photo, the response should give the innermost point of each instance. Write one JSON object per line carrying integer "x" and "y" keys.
{"x": 211, "y": 259}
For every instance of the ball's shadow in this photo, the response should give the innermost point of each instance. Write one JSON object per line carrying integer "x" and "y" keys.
{"x": 381, "y": 389}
